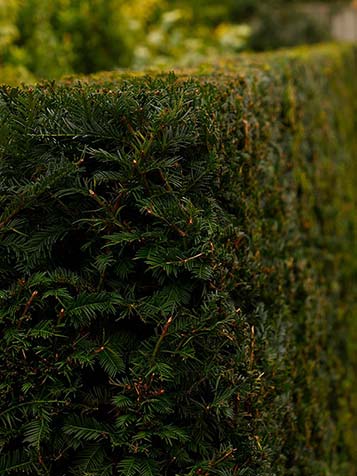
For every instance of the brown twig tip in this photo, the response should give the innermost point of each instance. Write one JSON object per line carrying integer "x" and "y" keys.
{"x": 100, "y": 349}
{"x": 185, "y": 260}
{"x": 92, "y": 193}
{"x": 29, "y": 302}
{"x": 166, "y": 326}
{"x": 161, "y": 338}
{"x": 27, "y": 307}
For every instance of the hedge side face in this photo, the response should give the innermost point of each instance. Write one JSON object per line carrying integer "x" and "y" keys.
{"x": 174, "y": 264}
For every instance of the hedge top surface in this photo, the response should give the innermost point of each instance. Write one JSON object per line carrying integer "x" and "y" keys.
{"x": 244, "y": 64}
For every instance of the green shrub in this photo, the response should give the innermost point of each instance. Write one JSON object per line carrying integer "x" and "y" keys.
{"x": 175, "y": 260}
{"x": 15, "y": 75}
{"x": 285, "y": 26}
{"x": 53, "y": 38}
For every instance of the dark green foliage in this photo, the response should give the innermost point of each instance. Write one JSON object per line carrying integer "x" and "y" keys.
{"x": 289, "y": 25}
{"x": 173, "y": 269}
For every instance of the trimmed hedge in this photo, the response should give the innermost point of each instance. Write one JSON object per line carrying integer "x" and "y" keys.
{"x": 176, "y": 260}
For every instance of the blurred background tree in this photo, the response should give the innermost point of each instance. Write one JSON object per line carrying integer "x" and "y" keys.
{"x": 49, "y": 38}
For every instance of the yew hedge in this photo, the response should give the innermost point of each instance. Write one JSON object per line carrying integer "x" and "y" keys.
{"x": 176, "y": 260}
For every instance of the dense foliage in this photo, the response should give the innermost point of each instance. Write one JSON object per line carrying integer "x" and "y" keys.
{"x": 175, "y": 271}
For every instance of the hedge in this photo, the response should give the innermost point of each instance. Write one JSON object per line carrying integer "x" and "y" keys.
{"x": 176, "y": 260}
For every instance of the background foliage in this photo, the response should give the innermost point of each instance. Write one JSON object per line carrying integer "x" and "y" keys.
{"x": 42, "y": 39}
{"x": 175, "y": 274}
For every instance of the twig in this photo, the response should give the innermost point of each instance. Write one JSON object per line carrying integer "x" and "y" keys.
{"x": 27, "y": 306}
{"x": 161, "y": 338}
